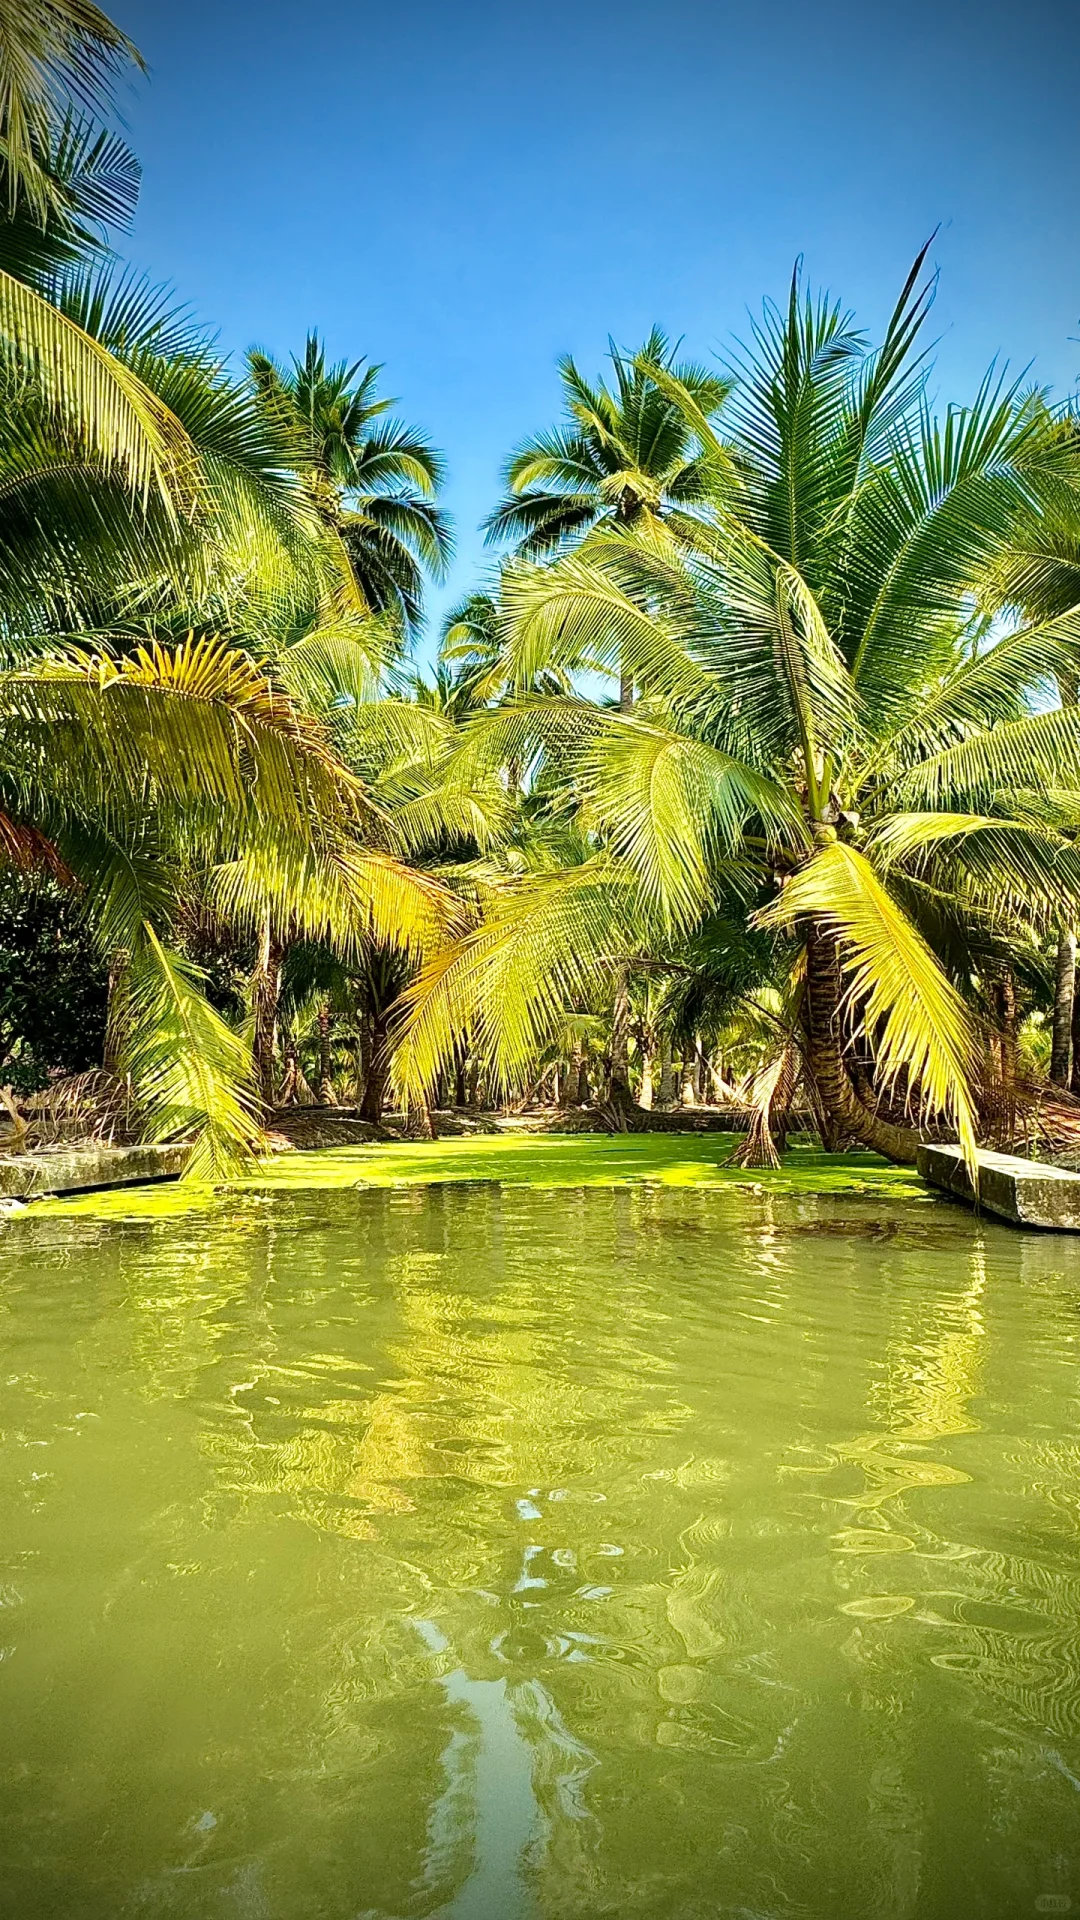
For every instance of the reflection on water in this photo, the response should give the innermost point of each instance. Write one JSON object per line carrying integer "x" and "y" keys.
{"x": 520, "y": 1556}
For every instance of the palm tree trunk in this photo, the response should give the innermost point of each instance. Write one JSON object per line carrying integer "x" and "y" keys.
{"x": 1064, "y": 994}
{"x": 1074, "y": 1074}
{"x": 626, "y": 692}
{"x": 687, "y": 1097}
{"x": 371, "y": 1106}
{"x": 265, "y": 988}
{"x": 327, "y": 1096}
{"x": 619, "y": 1094}
{"x": 645, "y": 1091}
{"x": 584, "y": 1090}
{"x": 1005, "y": 1009}
{"x": 838, "y": 1097}
{"x": 287, "y": 1093}
{"x": 115, "y": 1010}
{"x": 667, "y": 1077}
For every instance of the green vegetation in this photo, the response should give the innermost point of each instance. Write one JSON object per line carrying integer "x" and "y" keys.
{"x": 521, "y": 1160}
{"x": 812, "y": 852}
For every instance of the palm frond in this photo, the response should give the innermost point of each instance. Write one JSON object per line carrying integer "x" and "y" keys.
{"x": 106, "y": 407}
{"x": 189, "y": 1072}
{"x": 916, "y": 1019}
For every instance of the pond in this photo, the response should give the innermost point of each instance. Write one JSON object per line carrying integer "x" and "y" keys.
{"x": 502, "y": 1554}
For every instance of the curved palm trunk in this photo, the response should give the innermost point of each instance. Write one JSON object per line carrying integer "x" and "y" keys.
{"x": 838, "y": 1097}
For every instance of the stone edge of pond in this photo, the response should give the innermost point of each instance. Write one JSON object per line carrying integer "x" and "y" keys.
{"x": 62, "y": 1171}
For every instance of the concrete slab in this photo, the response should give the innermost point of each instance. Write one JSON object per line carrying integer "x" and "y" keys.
{"x": 1026, "y": 1192}
{"x": 26, "y": 1176}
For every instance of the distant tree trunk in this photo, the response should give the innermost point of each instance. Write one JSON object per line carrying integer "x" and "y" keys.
{"x": 667, "y": 1077}
{"x": 371, "y": 1106}
{"x": 645, "y": 1091}
{"x": 116, "y": 1010}
{"x": 289, "y": 1093}
{"x": 844, "y": 1111}
{"x": 327, "y": 1096}
{"x": 461, "y": 1092}
{"x": 1005, "y": 1012}
{"x": 571, "y": 1079}
{"x": 619, "y": 1093}
{"x": 687, "y": 1096}
{"x": 265, "y": 988}
{"x": 1005, "y": 1116}
{"x": 584, "y": 1090}
{"x": 419, "y": 1124}
{"x": 1064, "y": 995}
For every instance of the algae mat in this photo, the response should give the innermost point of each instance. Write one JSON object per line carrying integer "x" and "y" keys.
{"x": 544, "y": 1161}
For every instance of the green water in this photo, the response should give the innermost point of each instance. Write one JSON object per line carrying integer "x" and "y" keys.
{"x": 501, "y": 1554}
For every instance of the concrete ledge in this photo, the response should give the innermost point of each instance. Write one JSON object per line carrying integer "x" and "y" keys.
{"x": 1026, "y": 1192}
{"x": 27, "y": 1176}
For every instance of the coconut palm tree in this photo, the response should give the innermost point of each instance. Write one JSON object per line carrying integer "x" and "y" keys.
{"x": 160, "y": 774}
{"x": 826, "y": 729}
{"x": 623, "y": 452}
{"x": 626, "y": 456}
{"x": 371, "y": 480}
{"x": 64, "y": 177}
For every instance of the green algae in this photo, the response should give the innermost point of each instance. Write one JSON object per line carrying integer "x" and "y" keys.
{"x": 530, "y": 1160}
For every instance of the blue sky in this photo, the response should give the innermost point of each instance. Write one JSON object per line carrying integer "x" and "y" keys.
{"x": 463, "y": 192}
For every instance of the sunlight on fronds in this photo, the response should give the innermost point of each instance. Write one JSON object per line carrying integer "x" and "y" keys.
{"x": 511, "y": 981}
{"x": 337, "y": 667}
{"x": 106, "y": 407}
{"x": 190, "y": 1073}
{"x": 1037, "y": 753}
{"x": 199, "y": 719}
{"x": 917, "y": 1021}
{"x": 577, "y": 616}
{"x": 675, "y": 807}
{"x": 337, "y": 891}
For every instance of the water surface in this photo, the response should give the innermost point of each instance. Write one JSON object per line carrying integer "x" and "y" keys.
{"x": 498, "y": 1554}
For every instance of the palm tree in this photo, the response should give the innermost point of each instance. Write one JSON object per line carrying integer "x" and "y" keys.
{"x": 58, "y": 58}
{"x": 64, "y": 177}
{"x": 826, "y": 731}
{"x": 371, "y": 480}
{"x": 624, "y": 456}
{"x": 622, "y": 453}
{"x": 161, "y": 774}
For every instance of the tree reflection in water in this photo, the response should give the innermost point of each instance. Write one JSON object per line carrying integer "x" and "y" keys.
{"x": 472, "y": 1554}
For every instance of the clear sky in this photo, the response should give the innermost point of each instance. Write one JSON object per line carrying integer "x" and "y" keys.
{"x": 465, "y": 191}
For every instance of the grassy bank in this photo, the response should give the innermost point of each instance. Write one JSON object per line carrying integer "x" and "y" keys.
{"x": 544, "y": 1161}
